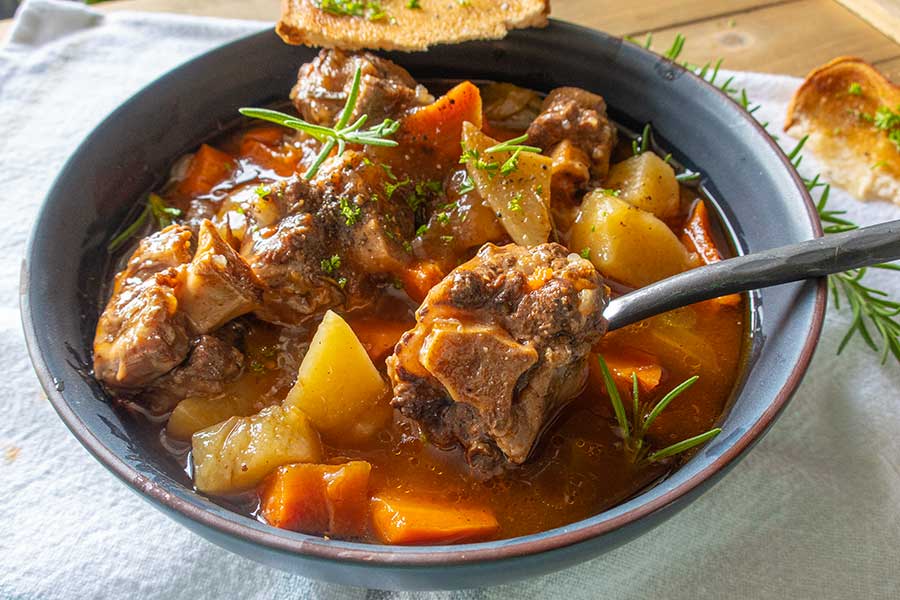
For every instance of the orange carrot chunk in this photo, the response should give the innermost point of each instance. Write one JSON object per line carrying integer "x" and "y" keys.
{"x": 622, "y": 362}
{"x": 317, "y": 499}
{"x": 266, "y": 134}
{"x": 698, "y": 236}
{"x": 420, "y": 278}
{"x": 208, "y": 168}
{"x": 435, "y": 132}
{"x": 378, "y": 336}
{"x": 416, "y": 521}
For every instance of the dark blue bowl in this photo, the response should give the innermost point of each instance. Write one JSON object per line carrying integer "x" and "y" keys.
{"x": 762, "y": 200}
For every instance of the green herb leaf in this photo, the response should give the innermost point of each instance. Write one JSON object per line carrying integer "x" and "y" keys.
{"x": 350, "y": 211}
{"x": 684, "y": 445}
{"x": 340, "y": 135}
{"x": 331, "y": 264}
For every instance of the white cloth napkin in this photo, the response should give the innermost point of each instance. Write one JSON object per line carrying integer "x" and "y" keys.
{"x": 812, "y": 512}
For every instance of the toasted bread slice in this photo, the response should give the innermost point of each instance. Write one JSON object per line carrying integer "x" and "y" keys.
{"x": 408, "y": 29}
{"x": 836, "y": 106}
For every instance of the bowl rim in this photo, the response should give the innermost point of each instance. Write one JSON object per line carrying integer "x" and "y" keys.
{"x": 425, "y": 556}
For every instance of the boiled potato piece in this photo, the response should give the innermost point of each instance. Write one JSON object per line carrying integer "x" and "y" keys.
{"x": 648, "y": 182}
{"x": 626, "y": 243}
{"x": 195, "y": 413}
{"x": 237, "y": 454}
{"x": 520, "y": 198}
{"x": 339, "y": 387}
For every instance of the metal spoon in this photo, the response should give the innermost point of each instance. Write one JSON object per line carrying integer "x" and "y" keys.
{"x": 816, "y": 258}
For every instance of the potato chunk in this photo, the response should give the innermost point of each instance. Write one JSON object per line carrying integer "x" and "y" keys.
{"x": 648, "y": 182}
{"x": 237, "y": 454}
{"x": 626, "y": 243}
{"x": 339, "y": 387}
{"x": 199, "y": 412}
{"x": 521, "y": 197}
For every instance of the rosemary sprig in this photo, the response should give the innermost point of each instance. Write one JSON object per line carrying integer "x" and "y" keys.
{"x": 156, "y": 207}
{"x": 870, "y": 307}
{"x": 340, "y": 135}
{"x": 640, "y": 144}
{"x": 634, "y": 433}
{"x": 516, "y": 147}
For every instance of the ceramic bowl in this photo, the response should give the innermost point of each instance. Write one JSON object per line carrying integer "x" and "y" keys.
{"x": 758, "y": 195}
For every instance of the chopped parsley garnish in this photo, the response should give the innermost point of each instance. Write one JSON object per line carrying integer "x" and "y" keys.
{"x": 262, "y": 191}
{"x": 442, "y": 217}
{"x": 350, "y": 211}
{"x": 412, "y": 4}
{"x": 353, "y": 8}
{"x": 414, "y": 201}
{"x": 407, "y": 246}
{"x": 421, "y": 230}
{"x": 467, "y": 155}
{"x": 389, "y": 171}
{"x": 467, "y": 184}
{"x": 585, "y": 253}
{"x": 473, "y": 155}
{"x": 539, "y": 189}
{"x": 342, "y": 282}
{"x": 515, "y": 205}
{"x": 855, "y": 89}
{"x": 332, "y": 264}
{"x": 390, "y": 188}
{"x": 446, "y": 238}
{"x": 609, "y": 192}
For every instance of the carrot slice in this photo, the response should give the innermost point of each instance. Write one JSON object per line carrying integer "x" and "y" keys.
{"x": 378, "y": 336}
{"x": 420, "y": 278}
{"x": 263, "y": 155}
{"x": 698, "y": 236}
{"x": 208, "y": 168}
{"x": 270, "y": 136}
{"x": 317, "y": 499}
{"x": 622, "y": 362}
{"x": 433, "y": 132}
{"x": 415, "y": 521}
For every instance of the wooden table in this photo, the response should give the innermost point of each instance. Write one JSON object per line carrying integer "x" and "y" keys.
{"x": 777, "y": 36}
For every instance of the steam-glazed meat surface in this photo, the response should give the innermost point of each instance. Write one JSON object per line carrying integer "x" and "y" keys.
{"x": 141, "y": 334}
{"x": 213, "y": 362}
{"x": 343, "y": 212}
{"x": 500, "y": 345}
{"x": 574, "y": 130}
{"x": 386, "y": 89}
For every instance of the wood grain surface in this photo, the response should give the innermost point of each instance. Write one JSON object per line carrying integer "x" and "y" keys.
{"x": 776, "y": 36}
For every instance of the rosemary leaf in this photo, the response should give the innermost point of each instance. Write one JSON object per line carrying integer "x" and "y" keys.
{"x": 340, "y": 135}
{"x": 614, "y": 398}
{"x": 684, "y": 445}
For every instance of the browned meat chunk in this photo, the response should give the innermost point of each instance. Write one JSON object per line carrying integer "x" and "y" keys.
{"x": 574, "y": 130}
{"x": 163, "y": 298}
{"x": 499, "y": 347}
{"x": 213, "y": 363}
{"x": 386, "y": 89}
{"x": 141, "y": 334}
{"x": 340, "y": 233}
{"x": 218, "y": 284}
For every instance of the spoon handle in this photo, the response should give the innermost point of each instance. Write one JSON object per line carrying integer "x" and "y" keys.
{"x": 814, "y": 258}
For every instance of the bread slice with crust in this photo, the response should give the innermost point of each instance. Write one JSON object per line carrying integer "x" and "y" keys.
{"x": 845, "y": 108}
{"x": 393, "y": 25}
